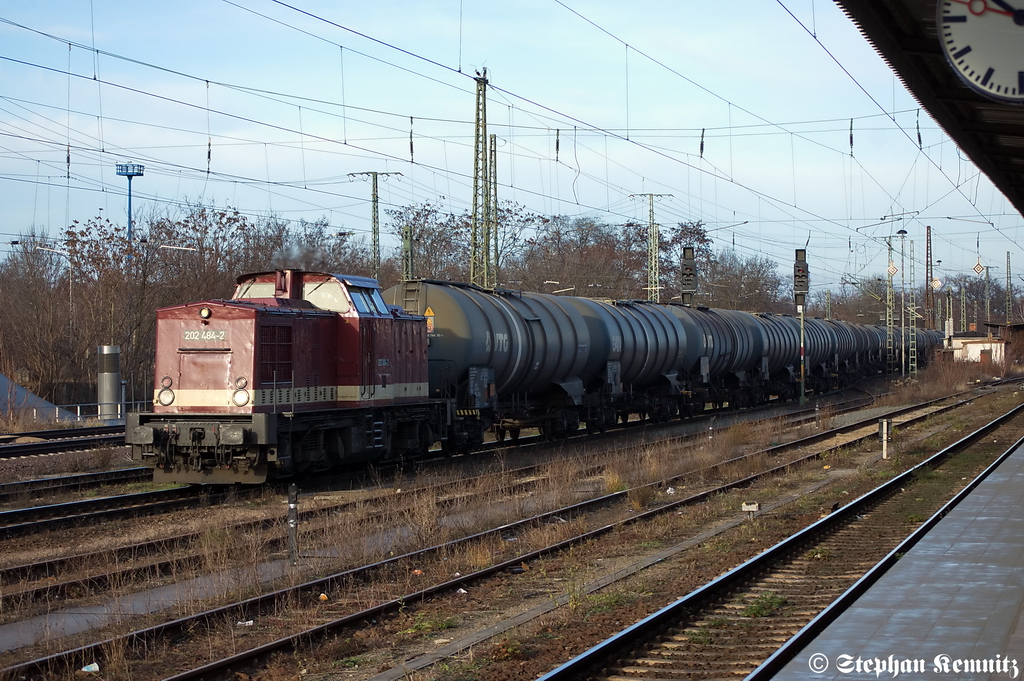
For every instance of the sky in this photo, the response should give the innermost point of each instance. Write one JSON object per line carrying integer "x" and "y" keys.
{"x": 773, "y": 123}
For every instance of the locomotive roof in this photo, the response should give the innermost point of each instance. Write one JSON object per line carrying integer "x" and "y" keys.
{"x": 348, "y": 279}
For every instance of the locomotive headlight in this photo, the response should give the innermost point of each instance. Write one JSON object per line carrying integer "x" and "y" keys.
{"x": 241, "y": 382}
{"x": 240, "y": 398}
{"x": 205, "y": 312}
{"x": 165, "y": 382}
{"x": 232, "y": 435}
{"x": 165, "y": 397}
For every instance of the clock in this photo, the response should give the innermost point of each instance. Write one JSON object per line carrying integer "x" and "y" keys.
{"x": 983, "y": 41}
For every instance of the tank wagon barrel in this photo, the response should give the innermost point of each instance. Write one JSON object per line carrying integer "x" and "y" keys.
{"x": 300, "y": 371}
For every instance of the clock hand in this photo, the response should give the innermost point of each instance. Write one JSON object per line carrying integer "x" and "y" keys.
{"x": 1017, "y": 14}
{"x": 1008, "y": 11}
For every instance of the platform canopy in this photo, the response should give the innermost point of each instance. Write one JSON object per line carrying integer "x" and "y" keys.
{"x": 991, "y": 133}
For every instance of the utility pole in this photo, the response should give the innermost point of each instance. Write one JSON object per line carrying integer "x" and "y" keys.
{"x": 912, "y": 341}
{"x": 408, "y": 262}
{"x": 948, "y": 319}
{"x": 653, "y": 248}
{"x": 929, "y": 273}
{"x": 492, "y": 211}
{"x": 480, "y": 220}
{"x": 903, "y": 303}
{"x": 963, "y": 309}
{"x": 890, "y": 358}
{"x": 988, "y": 295}
{"x": 376, "y": 220}
{"x": 1009, "y": 291}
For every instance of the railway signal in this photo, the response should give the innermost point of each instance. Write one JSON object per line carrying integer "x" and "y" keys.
{"x": 801, "y": 287}
{"x": 688, "y": 275}
{"x": 801, "y": 276}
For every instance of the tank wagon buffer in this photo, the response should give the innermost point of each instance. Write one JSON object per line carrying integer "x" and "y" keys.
{"x": 298, "y": 372}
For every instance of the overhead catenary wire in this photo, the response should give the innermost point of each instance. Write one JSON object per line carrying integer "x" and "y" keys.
{"x": 578, "y": 169}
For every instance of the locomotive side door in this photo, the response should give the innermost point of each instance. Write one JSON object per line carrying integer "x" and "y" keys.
{"x": 368, "y": 350}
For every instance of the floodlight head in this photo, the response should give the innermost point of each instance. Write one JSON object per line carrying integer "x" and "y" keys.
{"x": 130, "y": 169}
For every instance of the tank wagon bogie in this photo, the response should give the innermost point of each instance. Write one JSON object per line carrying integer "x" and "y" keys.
{"x": 300, "y": 371}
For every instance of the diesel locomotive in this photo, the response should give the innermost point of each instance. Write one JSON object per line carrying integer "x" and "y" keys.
{"x": 302, "y": 371}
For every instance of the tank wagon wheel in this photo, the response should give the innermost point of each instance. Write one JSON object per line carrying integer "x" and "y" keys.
{"x": 500, "y": 433}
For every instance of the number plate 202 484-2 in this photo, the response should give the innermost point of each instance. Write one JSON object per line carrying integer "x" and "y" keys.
{"x": 205, "y": 335}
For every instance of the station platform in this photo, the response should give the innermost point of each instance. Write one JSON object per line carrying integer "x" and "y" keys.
{"x": 951, "y": 608}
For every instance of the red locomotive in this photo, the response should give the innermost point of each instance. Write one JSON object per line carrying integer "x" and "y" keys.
{"x": 296, "y": 372}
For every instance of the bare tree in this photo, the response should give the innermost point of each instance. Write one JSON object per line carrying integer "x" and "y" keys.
{"x": 37, "y": 331}
{"x": 736, "y": 283}
{"x": 590, "y": 257}
{"x": 441, "y": 240}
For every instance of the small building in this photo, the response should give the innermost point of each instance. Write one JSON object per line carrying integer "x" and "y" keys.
{"x": 982, "y": 348}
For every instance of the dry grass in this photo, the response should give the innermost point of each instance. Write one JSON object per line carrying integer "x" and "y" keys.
{"x": 408, "y": 522}
{"x": 940, "y": 379}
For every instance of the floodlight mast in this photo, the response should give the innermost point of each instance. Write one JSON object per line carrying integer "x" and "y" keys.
{"x": 130, "y": 170}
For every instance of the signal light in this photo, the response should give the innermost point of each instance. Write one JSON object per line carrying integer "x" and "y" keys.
{"x": 688, "y": 271}
{"x": 801, "y": 273}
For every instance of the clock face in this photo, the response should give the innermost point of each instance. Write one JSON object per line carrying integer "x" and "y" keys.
{"x": 983, "y": 41}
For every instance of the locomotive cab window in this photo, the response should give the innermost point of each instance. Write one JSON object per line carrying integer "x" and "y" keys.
{"x": 254, "y": 289}
{"x": 361, "y": 301}
{"x": 368, "y": 301}
{"x": 378, "y": 302}
{"x": 327, "y": 295}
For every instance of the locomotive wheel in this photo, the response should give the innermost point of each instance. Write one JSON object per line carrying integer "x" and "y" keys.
{"x": 499, "y": 434}
{"x": 514, "y": 434}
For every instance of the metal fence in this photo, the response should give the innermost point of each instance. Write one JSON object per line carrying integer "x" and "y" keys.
{"x": 77, "y": 413}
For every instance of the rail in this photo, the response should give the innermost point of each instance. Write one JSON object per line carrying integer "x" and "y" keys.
{"x": 600, "y": 655}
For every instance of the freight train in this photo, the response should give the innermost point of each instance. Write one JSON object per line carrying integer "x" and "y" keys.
{"x": 301, "y": 371}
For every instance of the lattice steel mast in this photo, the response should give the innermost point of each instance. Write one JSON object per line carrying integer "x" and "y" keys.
{"x": 480, "y": 220}
{"x": 653, "y": 249}
{"x": 375, "y": 198}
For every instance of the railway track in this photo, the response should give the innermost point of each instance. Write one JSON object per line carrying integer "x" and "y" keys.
{"x": 22, "y": 521}
{"x": 56, "y": 441}
{"x": 13, "y": 491}
{"x": 519, "y": 480}
{"x": 737, "y": 622}
{"x": 255, "y": 608}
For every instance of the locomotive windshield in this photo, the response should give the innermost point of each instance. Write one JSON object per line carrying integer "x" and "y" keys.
{"x": 368, "y": 301}
{"x": 255, "y": 289}
{"x": 327, "y": 295}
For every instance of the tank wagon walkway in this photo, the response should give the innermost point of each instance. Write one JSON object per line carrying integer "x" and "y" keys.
{"x": 949, "y": 608}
